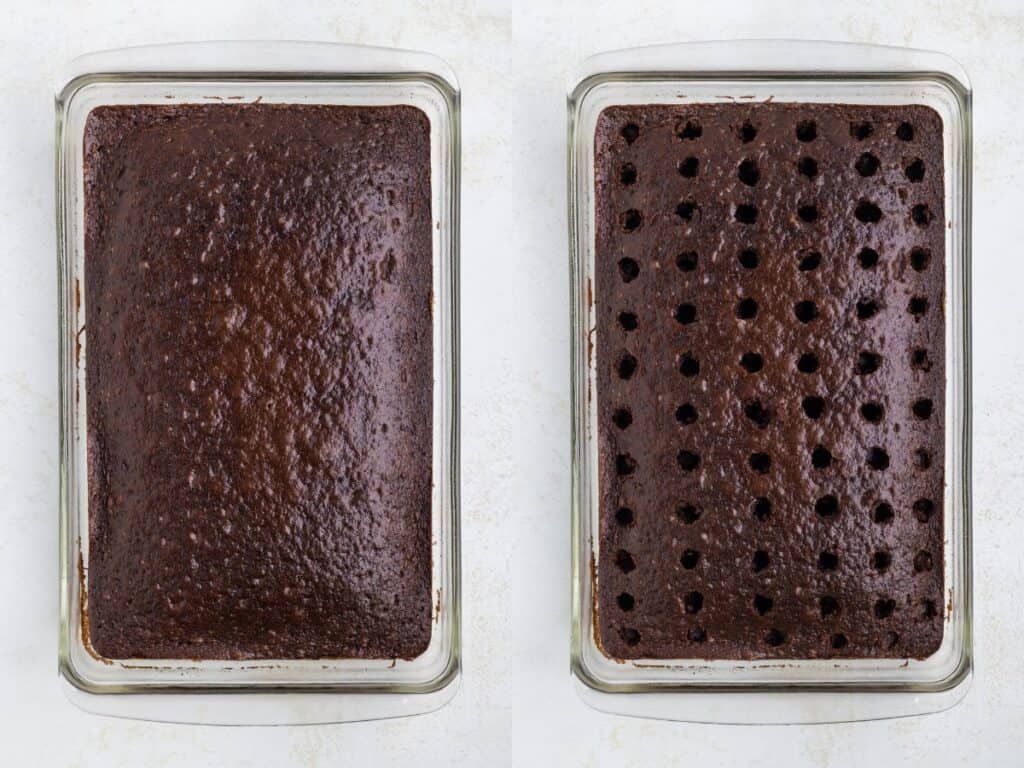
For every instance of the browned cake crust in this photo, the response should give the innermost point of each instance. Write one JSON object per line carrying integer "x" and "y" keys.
{"x": 770, "y": 380}
{"x": 259, "y": 381}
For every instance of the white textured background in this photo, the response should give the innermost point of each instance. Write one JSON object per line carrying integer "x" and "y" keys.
{"x": 516, "y": 706}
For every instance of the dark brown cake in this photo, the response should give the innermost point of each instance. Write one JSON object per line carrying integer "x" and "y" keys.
{"x": 259, "y": 381}
{"x": 770, "y": 384}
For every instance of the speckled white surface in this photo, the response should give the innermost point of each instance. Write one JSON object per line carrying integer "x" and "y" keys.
{"x": 517, "y": 705}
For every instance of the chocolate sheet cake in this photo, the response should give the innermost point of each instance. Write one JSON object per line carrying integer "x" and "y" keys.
{"x": 258, "y": 381}
{"x": 770, "y": 380}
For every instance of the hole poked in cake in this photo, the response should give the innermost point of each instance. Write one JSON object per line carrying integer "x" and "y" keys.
{"x": 878, "y": 458}
{"x": 828, "y": 561}
{"x": 809, "y": 260}
{"x": 807, "y": 166}
{"x": 751, "y": 362}
{"x": 923, "y": 561}
{"x": 746, "y": 309}
{"x": 689, "y": 513}
{"x": 688, "y": 167}
{"x": 687, "y": 261}
{"x": 748, "y": 258}
{"x": 627, "y": 174}
{"x": 747, "y": 132}
{"x": 689, "y": 130}
{"x": 921, "y": 215}
{"x": 806, "y": 130}
{"x": 689, "y": 559}
{"x": 883, "y": 513}
{"x": 929, "y": 610}
{"x": 686, "y": 413}
{"x": 748, "y": 172}
{"x": 689, "y": 366}
{"x": 625, "y": 465}
{"x": 922, "y": 459}
{"x": 867, "y": 165}
{"x": 686, "y": 314}
{"x": 760, "y": 560}
{"x": 866, "y": 309}
{"x": 881, "y": 560}
{"x": 924, "y": 509}
{"x": 821, "y": 457}
{"x": 693, "y": 601}
{"x": 867, "y": 212}
{"x": 915, "y": 171}
{"x": 919, "y": 360}
{"x": 827, "y": 506}
{"x": 687, "y": 209}
{"x": 624, "y": 561}
{"x": 632, "y": 220}
{"x": 884, "y": 608}
{"x": 629, "y": 270}
{"x": 757, "y": 413}
{"x": 919, "y": 258}
{"x": 622, "y": 418}
{"x": 861, "y": 129}
{"x": 917, "y": 306}
{"x": 688, "y": 460}
{"x": 808, "y": 212}
{"x": 890, "y": 640}
{"x": 808, "y": 363}
{"x": 763, "y": 604}
{"x": 922, "y": 408}
{"x": 828, "y": 605}
{"x": 905, "y": 132}
{"x": 805, "y": 310}
{"x": 868, "y": 362}
{"x": 626, "y": 366}
{"x": 745, "y": 213}
{"x": 762, "y": 508}
{"x": 630, "y": 636}
{"x": 628, "y": 321}
{"x": 774, "y": 637}
{"x": 760, "y": 462}
{"x": 630, "y": 132}
{"x": 838, "y": 641}
{"x": 868, "y": 257}
{"x": 872, "y": 412}
{"x": 626, "y": 601}
{"x": 813, "y": 405}
{"x": 624, "y": 516}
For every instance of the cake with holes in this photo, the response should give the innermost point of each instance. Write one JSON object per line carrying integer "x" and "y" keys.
{"x": 258, "y": 354}
{"x": 769, "y": 288}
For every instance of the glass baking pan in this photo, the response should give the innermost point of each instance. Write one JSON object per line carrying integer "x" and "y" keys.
{"x": 772, "y": 690}
{"x": 279, "y": 690}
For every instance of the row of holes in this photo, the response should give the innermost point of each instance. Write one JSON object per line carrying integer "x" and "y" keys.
{"x": 872, "y": 412}
{"x": 880, "y": 560}
{"x": 867, "y": 364}
{"x": 747, "y": 171}
{"x": 826, "y": 506}
{"x": 808, "y": 260}
{"x": 828, "y": 605}
{"x": 761, "y": 462}
{"x": 865, "y": 212}
{"x": 820, "y": 456}
{"x": 806, "y": 131}
{"x": 805, "y": 311}
{"x": 773, "y": 637}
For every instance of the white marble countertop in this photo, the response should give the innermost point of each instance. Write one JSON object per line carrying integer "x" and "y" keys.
{"x": 517, "y": 705}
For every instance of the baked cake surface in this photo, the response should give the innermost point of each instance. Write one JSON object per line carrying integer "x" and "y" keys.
{"x": 259, "y": 381}
{"x": 769, "y": 311}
